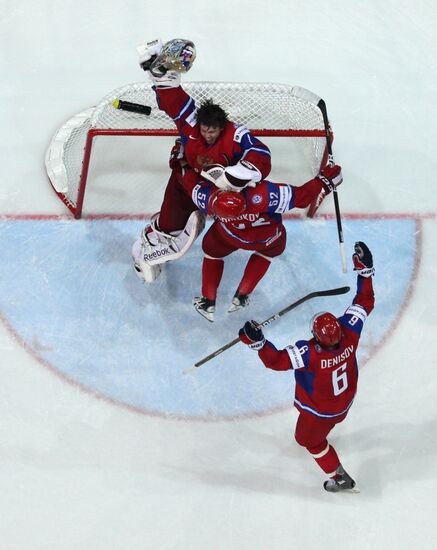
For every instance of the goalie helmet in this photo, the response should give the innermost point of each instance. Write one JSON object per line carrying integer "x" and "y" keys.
{"x": 326, "y": 329}
{"x": 227, "y": 204}
{"x": 176, "y": 55}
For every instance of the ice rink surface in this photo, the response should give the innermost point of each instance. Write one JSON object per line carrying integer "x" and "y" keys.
{"x": 104, "y": 444}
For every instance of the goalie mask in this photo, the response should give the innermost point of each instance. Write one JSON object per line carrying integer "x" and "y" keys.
{"x": 176, "y": 55}
{"x": 227, "y": 204}
{"x": 326, "y": 329}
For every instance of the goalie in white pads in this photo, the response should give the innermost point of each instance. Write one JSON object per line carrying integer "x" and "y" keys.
{"x": 210, "y": 144}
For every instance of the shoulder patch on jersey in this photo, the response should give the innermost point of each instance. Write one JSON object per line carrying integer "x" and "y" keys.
{"x": 192, "y": 119}
{"x": 240, "y": 132}
{"x": 285, "y": 198}
{"x": 295, "y": 355}
{"x": 357, "y": 311}
{"x": 200, "y": 197}
{"x": 256, "y": 199}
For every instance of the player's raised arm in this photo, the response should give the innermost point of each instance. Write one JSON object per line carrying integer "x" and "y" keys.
{"x": 363, "y": 265}
{"x": 166, "y": 62}
{"x": 283, "y": 197}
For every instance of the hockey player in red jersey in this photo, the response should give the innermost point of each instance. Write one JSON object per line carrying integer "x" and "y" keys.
{"x": 249, "y": 220}
{"x": 326, "y": 371}
{"x": 207, "y": 138}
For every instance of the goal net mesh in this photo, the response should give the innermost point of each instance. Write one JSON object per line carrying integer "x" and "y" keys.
{"x": 115, "y": 154}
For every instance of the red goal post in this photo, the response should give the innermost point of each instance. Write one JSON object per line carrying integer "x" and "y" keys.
{"x": 267, "y": 109}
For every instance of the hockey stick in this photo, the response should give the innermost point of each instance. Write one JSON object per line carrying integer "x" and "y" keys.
{"x": 316, "y": 294}
{"x": 132, "y": 107}
{"x": 316, "y": 100}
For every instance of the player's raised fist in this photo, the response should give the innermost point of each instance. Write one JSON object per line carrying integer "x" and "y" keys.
{"x": 252, "y": 335}
{"x": 331, "y": 177}
{"x": 363, "y": 260}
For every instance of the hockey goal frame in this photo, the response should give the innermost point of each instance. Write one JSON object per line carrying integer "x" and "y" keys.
{"x": 106, "y": 120}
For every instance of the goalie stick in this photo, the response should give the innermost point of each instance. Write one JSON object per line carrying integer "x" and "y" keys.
{"x": 316, "y": 100}
{"x": 310, "y": 296}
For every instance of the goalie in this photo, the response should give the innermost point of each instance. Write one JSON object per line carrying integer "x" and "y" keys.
{"x": 212, "y": 146}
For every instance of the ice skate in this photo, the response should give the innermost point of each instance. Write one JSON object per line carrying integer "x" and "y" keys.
{"x": 342, "y": 481}
{"x": 205, "y": 307}
{"x": 238, "y": 302}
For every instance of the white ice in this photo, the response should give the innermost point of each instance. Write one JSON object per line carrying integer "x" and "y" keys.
{"x": 79, "y": 472}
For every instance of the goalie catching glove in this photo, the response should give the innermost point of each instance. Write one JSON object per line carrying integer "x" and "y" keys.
{"x": 252, "y": 335}
{"x": 363, "y": 260}
{"x": 331, "y": 177}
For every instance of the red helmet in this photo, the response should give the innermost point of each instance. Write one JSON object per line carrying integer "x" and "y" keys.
{"x": 227, "y": 204}
{"x": 326, "y": 329}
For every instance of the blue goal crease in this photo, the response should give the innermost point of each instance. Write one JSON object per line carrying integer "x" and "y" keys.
{"x": 71, "y": 288}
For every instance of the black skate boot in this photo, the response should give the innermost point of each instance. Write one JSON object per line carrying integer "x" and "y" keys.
{"x": 238, "y": 302}
{"x": 205, "y": 307}
{"x": 342, "y": 481}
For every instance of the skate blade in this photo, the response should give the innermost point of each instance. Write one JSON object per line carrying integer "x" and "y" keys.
{"x": 353, "y": 490}
{"x": 208, "y": 316}
{"x": 236, "y": 307}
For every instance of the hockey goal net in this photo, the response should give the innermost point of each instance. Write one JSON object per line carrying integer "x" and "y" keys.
{"x": 124, "y": 173}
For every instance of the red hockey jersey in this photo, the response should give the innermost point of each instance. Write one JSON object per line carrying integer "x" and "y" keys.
{"x": 326, "y": 380}
{"x": 261, "y": 222}
{"x": 235, "y": 143}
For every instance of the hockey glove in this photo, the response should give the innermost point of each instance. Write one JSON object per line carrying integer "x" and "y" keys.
{"x": 176, "y": 160}
{"x": 147, "y": 53}
{"x": 331, "y": 177}
{"x": 230, "y": 178}
{"x": 252, "y": 335}
{"x": 363, "y": 260}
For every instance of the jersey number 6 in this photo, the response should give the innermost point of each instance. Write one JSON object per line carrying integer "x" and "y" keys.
{"x": 339, "y": 379}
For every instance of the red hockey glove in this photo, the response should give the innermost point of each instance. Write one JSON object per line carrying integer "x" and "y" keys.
{"x": 252, "y": 335}
{"x": 176, "y": 160}
{"x": 331, "y": 177}
{"x": 363, "y": 260}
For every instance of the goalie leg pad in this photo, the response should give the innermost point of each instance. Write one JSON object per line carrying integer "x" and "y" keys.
{"x": 147, "y": 273}
{"x": 158, "y": 247}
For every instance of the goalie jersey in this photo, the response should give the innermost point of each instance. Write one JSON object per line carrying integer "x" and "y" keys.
{"x": 235, "y": 143}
